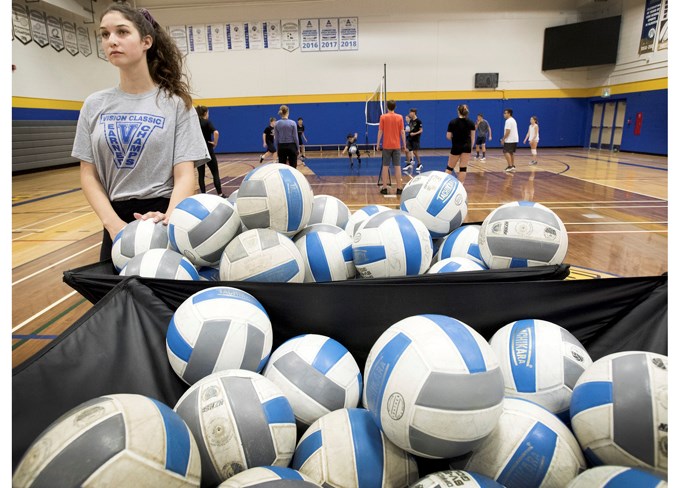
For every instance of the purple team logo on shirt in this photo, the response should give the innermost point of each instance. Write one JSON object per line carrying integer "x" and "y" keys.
{"x": 126, "y": 135}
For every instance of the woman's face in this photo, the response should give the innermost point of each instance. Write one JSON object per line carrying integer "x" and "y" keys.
{"x": 122, "y": 42}
{"x": 532, "y": 121}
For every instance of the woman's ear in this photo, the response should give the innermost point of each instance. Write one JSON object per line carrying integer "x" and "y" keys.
{"x": 147, "y": 42}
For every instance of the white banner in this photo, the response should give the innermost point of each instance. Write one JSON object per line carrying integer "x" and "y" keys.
{"x": 39, "y": 27}
{"x": 216, "y": 38}
{"x": 197, "y": 38}
{"x": 310, "y": 35}
{"x": 290, "y": 34}
{"x": 99, "y": 47}
{"x": 272, "y": 36}
{"x": 84, "y": 42}
{"x": 235, "y": 36}
{"x": 348, "y": 34}
{"x": 178, "y": 34}
{"x": 329, "y": 35}
{"x": 70, "y": 38}
{"x": 254, "y": 35}
{"x": 55, "y": 32}
{"x": 20, "y": 23}
{"x": 662, "y": 27}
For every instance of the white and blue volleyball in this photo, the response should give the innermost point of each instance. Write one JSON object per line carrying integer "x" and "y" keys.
{"x": 619, "y": 410}
{"x": 358, "y": 217}
{"x": 232, "y": 198}
{"x": 269, "y": 477}
{"x": 455, "y": 265}
{"x": 200, "y": 227}
{"x": 390, "y": 244}
{"x": 437, "y": 199}
{"x": 328, "y": 209}
{"x": 456, "y": 477}
{"x": 345, "y": 448}
{"x": 262, "y": 255}
{"x": 327, "y": 253}
{"x": 433, "y": 385}
{"x": 522, "y": 234}
{"x": 208, "y": 273}
{"x": 317, "y": 374}
{"x": 216, "y": 329}
{"x": 461, "y": 243}
{"x": 240, "y": 420}
{"x": 161, "y": 263}
{"x": 275, "y": 196}
{"x": 541, "y": 362}
{"x": 138, "y": 237}
{"x": 617, "y": 477}
{"x": 112, "y": 438}
{"x": 529, "y": 448}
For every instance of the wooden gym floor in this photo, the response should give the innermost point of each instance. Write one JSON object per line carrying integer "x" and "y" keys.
{"x": 614, "y": 206}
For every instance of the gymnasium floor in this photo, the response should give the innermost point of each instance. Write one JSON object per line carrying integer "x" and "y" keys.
{"x": 614, "y": 206}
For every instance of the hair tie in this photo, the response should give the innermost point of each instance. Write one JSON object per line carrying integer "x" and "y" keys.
{"x": 146, "y": 14}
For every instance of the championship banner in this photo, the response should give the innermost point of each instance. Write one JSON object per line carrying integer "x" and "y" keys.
{"x": 216, "y": 38}
{"x": 290, "y": 34}
{"x": 328, "y": 34}
{"x": 197, "y": 38}
{"x": 235, "y": 36}
{"x": 55, "y": 33}
{"x": 20, "y": 23}
{"x": 348, "y": 34}
{"x": 99, "y": 47}
{"x": 310, "y": 35}
{"x": 178, "y": 33}
{"x": 272, "y": 36}
{"x": 39, "y": 27}
{"x": 662, "y": 27}
{"x": 254, "y": 35}
{"x": 652, "y": 11}
{"x": 84, "y": 42}
{"x": 70, "y": 38}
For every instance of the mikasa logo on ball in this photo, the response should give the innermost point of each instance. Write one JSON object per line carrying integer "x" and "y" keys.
{"x": 550, "y": 233}
{"x": 447, "y": 190}
{"x": 521, "y": 348}
{"x": 396, "y": 406}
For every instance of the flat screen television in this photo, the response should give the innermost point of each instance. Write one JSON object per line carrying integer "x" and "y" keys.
{"x": 581, "y": 44}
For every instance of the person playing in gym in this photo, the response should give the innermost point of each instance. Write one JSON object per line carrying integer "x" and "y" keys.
{"x": 461, "y": 133}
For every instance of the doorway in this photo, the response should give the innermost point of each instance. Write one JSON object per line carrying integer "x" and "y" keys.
{"x": 607, "y": 124}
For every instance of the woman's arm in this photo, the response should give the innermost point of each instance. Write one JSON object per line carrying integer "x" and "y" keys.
{"x": 98, "y": 199}
{"x": 215, "y": 138}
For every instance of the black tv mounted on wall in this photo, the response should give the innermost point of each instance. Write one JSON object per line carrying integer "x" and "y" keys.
{"x": 581, "y": 44}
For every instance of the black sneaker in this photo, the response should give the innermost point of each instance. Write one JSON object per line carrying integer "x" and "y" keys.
{"x": 399, "y": 191}
{"x": 384, "y": 191}
{"x": 260, "y": 159}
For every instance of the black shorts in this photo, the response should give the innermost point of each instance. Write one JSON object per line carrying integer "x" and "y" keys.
{"x": 479, "y": 140}
{"x": 413, "y": 144}
{"x": 509, "y": 147}
{"x": 458, "y": 150}
{"x": 271, "y": 147}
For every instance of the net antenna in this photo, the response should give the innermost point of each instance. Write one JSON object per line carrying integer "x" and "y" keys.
{"x": 375, "y": 106}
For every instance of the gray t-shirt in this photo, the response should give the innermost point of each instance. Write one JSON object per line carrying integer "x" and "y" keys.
{"x": 134, "y": 140}
{"x": 286, "y": 132}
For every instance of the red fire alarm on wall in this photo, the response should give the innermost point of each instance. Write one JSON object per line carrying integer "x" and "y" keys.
{"x": 638, "y": 123}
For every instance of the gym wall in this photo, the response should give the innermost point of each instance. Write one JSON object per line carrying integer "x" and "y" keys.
{"x": 432, "y": 51}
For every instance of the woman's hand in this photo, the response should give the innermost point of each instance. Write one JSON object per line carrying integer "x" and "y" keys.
{"x": 154, "y": 216}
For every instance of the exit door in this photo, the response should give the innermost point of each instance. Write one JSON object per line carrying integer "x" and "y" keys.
{"x": 607, "y": 124}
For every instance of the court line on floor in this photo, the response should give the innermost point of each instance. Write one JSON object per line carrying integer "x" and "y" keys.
{"x": 44, "y": 310}
{"x": 619, "y": 162}
{"x": 52, "y": 195}
{"x": 618, "y": 232}
{"x": 55, "y": 264}
{"x": 58, "y": 215}
{"x": 39, "y": 231}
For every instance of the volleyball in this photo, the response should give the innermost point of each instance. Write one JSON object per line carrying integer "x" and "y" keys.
{"x": 529, "y": 448}
{"x": 619, "y": 410}
{"x": 232, "y": 198}
{"x": 317, "y": 374}
{"x": 438, "y": 199}
{"x": 329, "y": 210}
{"x": 275, "y": 196}
{"x": 353, "y": 149}
{"x": 461, "y": 243}
{"x": 522, "y": 234}
{"x": 262, "y": 255}
{"x": 456, "y": 477}
{"x": 391, "y": 244}
{"x": 112, "y": 438}
{"x": 433, "y": 385}
{"x": 216, "y": 329}
{"x": 345, "y": 448}
{"x": 541, "y": 362}
{"x": 454, "y": 265}
{"x": 161, "y": 263}
{"x": 269, "y": 477}
{"x": 327, "y": 253}
{"x": 137, "y": 237}
{"x": 359, "y": 216}
{"x": 616, "y": 477}
{"x": 200, "y": 227}
{"x": 240, "y": 420}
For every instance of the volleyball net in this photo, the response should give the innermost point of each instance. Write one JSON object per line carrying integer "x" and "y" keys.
{"x": 374, "y": 107}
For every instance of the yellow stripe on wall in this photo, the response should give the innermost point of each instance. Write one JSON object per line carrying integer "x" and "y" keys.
{"x": 633, "y": 87}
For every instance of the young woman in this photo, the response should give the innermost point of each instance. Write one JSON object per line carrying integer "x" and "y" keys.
{"x": 138, "y": 142}
{"x": 301, "y": 129}
{"x": 533, "y": 138}
{"x": 461, "y": 133}
{"x": 287, "y": 138}
{"x": 269, "y": 140}
{"x": 211, "y": 136}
